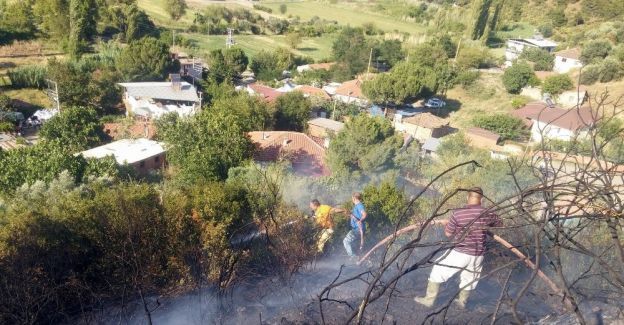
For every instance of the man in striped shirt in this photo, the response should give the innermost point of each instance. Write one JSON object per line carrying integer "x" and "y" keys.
{"x": 467, "y": 228}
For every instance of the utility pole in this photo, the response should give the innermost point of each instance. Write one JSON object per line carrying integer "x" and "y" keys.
{"x": 229, "y": 41}
{"x": 53, "y": 93}
{"x": 173, "y": 34}
{"x": 370, "y": 59}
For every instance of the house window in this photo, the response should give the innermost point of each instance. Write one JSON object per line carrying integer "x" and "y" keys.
{"x": 142, "y": 164}
{"x": 157, "y": 159}
{"x": 563, "y": 59}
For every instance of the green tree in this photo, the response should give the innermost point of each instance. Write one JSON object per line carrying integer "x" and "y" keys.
{"x": 557, "y": 17}
{"x": 292, "y": 111}
{"x": 517, "y": 76}
{"x": 389, "y": 52}
{"x": 131, "y": 22}
{"x": 175, "y": 8}
{"x": 365, "y": 144}
{"x": 204, "y": 147}
{"x": 17, "y": 17}
{"x": 481, "y": 9}
{"x": 268, "y": 66}
{"x": 543, "y": 61}
{"x": 252, "y": 113}
{"x": 78, "y": 128}
{"x": 472, "y": 58}
{"x": 72, "y": 82}
{"x": 226, "y": 64}
{"x": 283, "y": 8}
{"x": 82, "y": 23}
{"x": 508, "y": 127}
{"x": 385, "y": 204}
{"x": 5, "y": 103}
{"x": 293, "y": 39}
{"x": 144, "y": 60}
{"x": 595, "y": 50}
{"x": 557, "y": 84}
{"x": 52, "y": 18}
{"x": 351, "y": 50}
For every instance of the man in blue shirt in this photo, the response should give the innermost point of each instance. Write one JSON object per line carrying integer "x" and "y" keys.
{"x": 358, "y": 227}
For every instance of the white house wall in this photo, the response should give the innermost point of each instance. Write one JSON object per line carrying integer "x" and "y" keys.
{"x": 541, "y": 130}
{"x": 565, "y": 65}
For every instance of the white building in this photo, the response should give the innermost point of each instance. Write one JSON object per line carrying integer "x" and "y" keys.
{"x": 567, "y": 60}
{"x": 516, "y": 46}
{"x": 154, "y": 99}
{"x": 141, "y": 154}
{"x": 554, "y": 122}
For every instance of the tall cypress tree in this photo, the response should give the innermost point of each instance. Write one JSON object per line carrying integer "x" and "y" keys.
{"x": 482, "y": 13}
{"x": 82, "y": 26}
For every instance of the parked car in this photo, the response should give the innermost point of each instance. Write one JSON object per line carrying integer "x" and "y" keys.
{"x": 435, "y": 103}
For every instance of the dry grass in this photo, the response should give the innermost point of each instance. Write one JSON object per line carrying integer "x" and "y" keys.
{"x": 28, "y": 96}
{"x": 486, "y": 96}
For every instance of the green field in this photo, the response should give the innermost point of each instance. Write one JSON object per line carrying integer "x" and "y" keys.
{"x": 156, "y": 10}
{"x": 354, "y": 14}
{"x": 315, "y": 47}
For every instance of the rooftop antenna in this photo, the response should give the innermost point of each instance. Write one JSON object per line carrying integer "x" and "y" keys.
{"x": 229, "y": 41}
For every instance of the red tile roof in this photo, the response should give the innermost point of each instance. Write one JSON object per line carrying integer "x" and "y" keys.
{"x": 306, "y": 156}
{"x": 573, "y": 53}
{"x": 572, "y": 119}
{"x": 267, "y": 93}
{"x": 313, "y": 91}
{"x": 351, "y": 88}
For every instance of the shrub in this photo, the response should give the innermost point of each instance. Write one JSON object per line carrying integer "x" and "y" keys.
{"x": 595, "y": 50}
{"x": 590, "y": 75}
{"x": 546, "y": 30}
{"x": 555, "y": 85}
{"x": 263, "y": 8}
{"x": 30, "y": 76}
{"x": 517, "y": 76}
{"x": 543, "y": 60}
{"x": 610, "y": 70}
{"x": 508, "y": 127}
{"x": 519, "y": 101}
{"x": 467, "y": 78}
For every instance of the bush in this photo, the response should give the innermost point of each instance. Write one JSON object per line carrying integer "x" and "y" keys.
{"x": 262, "y": 8}
{"x": 508, "y": 127}
{"x": 517, "y": 76}
{"x": 543, "y": 60}
{"x": 467, "y": 78}
{"x": 519, "y": 101}
{"x": 472, "y": 57}
{"x": 610, "y": 70}
{"x": 590, "y": 74}
{"x": 595, "y": 51}
{"x": 546, "y": 30}
{"x": 30, "y": 76}
{"x": 555, "y": 85}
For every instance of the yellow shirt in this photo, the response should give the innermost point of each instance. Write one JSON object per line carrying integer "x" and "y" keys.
{"x": 323, "y": 217}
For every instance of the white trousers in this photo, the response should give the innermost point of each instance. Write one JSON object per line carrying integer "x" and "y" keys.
{"x": 452, "y": 262}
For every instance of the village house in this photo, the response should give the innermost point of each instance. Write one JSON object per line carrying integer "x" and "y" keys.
{"x": 351, "y": 92}
{"x": 191, "y": 67}
{"x": 321, "y": 129}
{"x": 482, "y": 138}
{"x": 573, "y": 98}
{"x": 422, "y": 126}
{"x": 554, "y": 122}
{"x": 516, "y": 46}
{"x": 143, "y": 155}
{"x": 567, "y": 60}
{"x": 152, "y": 100}
{"x": 313, "y": 92}
{"x": 306, "y": 157}
{"x": 266, "y": 93}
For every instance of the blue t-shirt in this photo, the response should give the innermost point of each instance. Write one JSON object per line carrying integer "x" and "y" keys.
{"x": 357, "y": 212}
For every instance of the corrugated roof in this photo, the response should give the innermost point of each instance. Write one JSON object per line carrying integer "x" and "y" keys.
{"x": 426, "y": 120}
{"x": 537, "y": 42}
{"x": 483, "y": 133}
{"x": 572, "y": 119}
{"x": 573, "y": 53}
{"x": 162, "y": 91}
{"x": 327, "y": 124}
{"x": 126, "y": 151}
{"x": 307, "y": 156}
{"x": 431, "y": 144}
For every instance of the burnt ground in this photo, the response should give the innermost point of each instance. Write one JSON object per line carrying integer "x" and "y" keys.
{"x": 274, "y": 300}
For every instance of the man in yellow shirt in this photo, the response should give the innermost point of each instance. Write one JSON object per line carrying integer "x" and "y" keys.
{"x": 323, "y": 216}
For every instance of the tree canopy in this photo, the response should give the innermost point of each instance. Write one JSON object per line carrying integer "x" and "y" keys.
{"x": 292, "y": 111}
{"x": 144, "y": 60}
{"x": 175, "y": 8}
{"x": 77, "y": 128}
{"x": 517, "y": 76}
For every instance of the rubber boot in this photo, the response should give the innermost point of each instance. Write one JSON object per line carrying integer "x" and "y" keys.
{"x": 462, "y": 300}
{"x": 432, "y": 293}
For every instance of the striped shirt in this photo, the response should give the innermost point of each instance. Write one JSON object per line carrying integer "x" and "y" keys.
{"x": 469, "y": 226}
